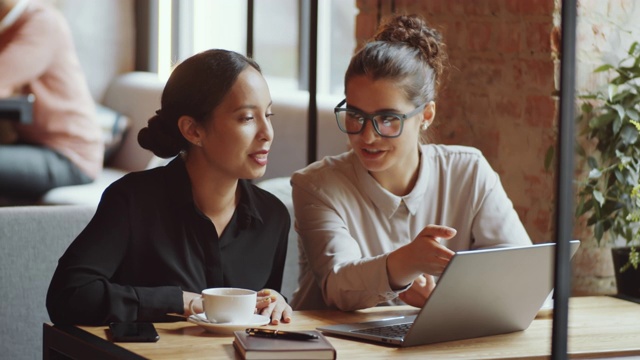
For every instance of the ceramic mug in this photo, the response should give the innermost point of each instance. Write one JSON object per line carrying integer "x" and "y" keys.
{"x": 226, "y": 305}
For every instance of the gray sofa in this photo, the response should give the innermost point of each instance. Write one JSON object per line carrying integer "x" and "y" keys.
{"x": 32, "y": 238}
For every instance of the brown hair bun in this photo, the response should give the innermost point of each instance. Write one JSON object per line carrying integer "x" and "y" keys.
{"x": 414, "y": 31}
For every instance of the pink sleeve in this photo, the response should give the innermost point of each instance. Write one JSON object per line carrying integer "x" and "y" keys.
{"x": 27, "y": 48}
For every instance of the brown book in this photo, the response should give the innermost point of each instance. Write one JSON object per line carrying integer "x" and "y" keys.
{"x": 254, "y": 347}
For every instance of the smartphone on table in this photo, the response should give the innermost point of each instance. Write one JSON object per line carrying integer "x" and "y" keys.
{"x": 133, "y": 332}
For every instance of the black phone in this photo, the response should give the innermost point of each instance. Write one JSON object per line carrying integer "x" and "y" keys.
{"x": 133, "y": 332}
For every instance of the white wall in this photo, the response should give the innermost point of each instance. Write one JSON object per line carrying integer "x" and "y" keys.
{"x": 104, "y": 36}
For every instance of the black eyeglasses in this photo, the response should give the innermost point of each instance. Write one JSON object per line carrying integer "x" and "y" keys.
{"x": 388, "y": 125}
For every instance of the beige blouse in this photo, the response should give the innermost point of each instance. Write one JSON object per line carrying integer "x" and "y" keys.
{"x": 348, "y": 223}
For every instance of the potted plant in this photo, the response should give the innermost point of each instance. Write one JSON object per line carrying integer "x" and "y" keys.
{"x": 609, "y": 194}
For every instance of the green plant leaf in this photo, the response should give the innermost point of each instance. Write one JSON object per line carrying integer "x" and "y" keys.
{"x": 548, "y": 158}
{"x": 598, "y": 231}
{"x": 598, "y": 196}
{"x": 588, "y": 97}
{"x": 629, "y": 135}
{"x": 620, "y": 109}
{"x": 602, "y": 120}
{"x": 634, "y": 49}
{"x": 622, "y": 97}
{"x": 612, "y": 91}
{"x": 617, "y": 124}
{"x": 583, "y": 208}
{"x": 622, "y": 78}
{"x": 586, "y": 107}
{"x": 633, "y": 114}
{"x": 634, "y": 258}
{"x": 609, "y": 208}
{"x": 580, "y": 207}
{"x": 594, "y": 174}
{"x": 624, "y": 159}
{"x": 604, "y": 67}
{"x": 593, "y": 164}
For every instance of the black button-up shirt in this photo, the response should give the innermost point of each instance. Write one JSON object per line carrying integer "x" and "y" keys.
{"x": 147, "y": 242}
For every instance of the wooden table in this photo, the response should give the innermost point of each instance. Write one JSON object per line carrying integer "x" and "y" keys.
{"x": 599, "y": 327}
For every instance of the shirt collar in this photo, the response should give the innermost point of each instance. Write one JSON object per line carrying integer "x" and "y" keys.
{"x": 384, "y": 200}
{"x": 247, "y": 211}
{"x": 247, "y": 207}
{"x": 13, "y": 15}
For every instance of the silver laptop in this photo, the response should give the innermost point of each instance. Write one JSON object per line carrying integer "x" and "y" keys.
{"x": 480, "y": 293}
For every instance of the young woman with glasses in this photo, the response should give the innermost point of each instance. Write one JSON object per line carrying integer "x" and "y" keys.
{"x": 378, "y": 222}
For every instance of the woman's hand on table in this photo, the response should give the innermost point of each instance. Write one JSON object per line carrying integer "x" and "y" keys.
{"x": 186, "y": 300}
{"x": 271, "y": 303}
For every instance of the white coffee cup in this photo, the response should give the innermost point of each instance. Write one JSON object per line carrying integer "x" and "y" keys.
{"x": 227, "y": 305}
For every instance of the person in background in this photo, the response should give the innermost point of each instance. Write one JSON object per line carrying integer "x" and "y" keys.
{"x": 63, "y": 144}
{"x": 377, "y": 223}
{"x": 161, "y": 236}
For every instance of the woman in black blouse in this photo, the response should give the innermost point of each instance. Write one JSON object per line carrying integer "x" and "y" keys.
{"x": 161, "y": 236}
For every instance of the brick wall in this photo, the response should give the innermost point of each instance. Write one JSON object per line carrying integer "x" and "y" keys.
{"x": 501, "y": 93}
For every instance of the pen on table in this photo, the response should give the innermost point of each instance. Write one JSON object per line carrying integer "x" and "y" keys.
{"x": 279, "y": 334}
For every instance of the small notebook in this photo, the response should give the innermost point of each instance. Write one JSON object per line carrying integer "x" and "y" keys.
{"x": 253, "y": 347}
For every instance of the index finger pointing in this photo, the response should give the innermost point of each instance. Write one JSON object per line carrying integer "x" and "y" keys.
{"x": 438, "y": 231}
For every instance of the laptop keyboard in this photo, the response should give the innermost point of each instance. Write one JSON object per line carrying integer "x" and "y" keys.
{"x": 392, "y": 331}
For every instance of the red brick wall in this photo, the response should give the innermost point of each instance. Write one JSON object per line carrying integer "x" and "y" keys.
{"x": 501, "y": 94}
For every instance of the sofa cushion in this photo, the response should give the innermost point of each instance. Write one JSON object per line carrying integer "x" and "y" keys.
{"x": 114, "y": 126}
{"x": 88, "y": 194}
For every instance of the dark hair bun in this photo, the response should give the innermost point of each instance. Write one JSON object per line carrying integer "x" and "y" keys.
{"x": 414, "y": 31}
{"x": 158, "y": 137}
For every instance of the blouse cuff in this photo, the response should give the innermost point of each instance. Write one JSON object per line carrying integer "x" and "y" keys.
{"x": 379, "y": 271}
{"x": 156, "y": 302}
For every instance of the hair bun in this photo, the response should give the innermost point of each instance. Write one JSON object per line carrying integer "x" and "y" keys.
{"x": 414, "y": 31}
{"x": 161, "y": 137}
{"x": 411, "y": 29}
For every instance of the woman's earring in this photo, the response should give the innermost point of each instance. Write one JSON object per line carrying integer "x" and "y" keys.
{"x": 424, "y": 126}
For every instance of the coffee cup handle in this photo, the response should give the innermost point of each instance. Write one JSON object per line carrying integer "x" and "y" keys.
{"x": 191, "y": 303}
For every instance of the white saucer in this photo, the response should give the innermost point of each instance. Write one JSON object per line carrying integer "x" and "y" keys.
{"x": 228, "y": 328}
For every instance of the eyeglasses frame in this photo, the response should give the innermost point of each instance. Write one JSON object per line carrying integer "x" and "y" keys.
{"x": 370, "y": 117}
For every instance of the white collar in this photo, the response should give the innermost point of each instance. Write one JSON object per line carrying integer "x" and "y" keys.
{"x": 13, "y": 15}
